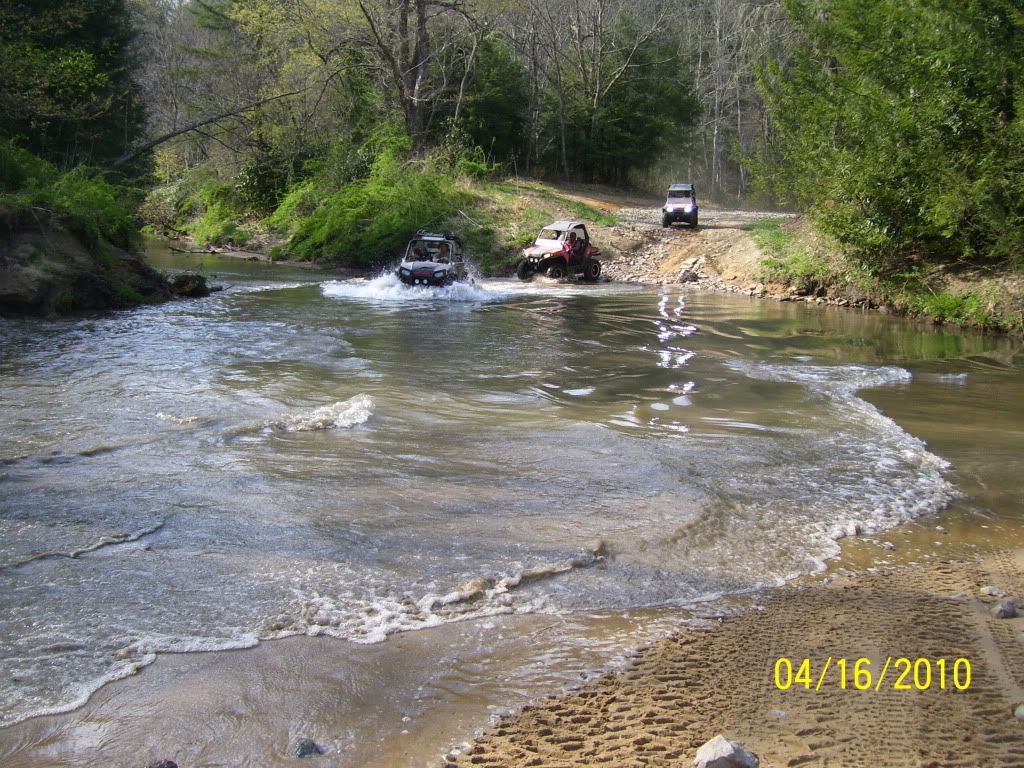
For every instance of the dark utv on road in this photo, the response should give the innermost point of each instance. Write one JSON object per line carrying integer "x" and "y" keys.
{"x": 680, "y": 205}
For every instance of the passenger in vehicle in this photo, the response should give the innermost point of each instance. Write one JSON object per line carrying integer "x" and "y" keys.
{"x": 574, "y": 248}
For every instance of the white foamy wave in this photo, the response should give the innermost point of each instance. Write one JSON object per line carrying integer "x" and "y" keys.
{"x": 177, "y": 419}
{"x": 127, "y": 661}
{"x": 264, "y": 287}
{"x": 874, "y": 475}
{"x": 341, "y": 415}
{"x": 348, "y": 413}
{"x": 388, "y": 288}
{"x": 371, "y": 621}
{"x": 77, "y": 695}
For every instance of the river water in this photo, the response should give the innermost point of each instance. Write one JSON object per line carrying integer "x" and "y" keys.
{"x": 301, "y": 455}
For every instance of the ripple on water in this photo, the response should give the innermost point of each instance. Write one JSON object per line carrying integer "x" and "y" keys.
{"x": 555, "y": 451}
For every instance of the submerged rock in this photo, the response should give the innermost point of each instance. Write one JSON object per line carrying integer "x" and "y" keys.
{"x": 190, "y": 285}
{"x": 303, "y": 747}
{"x": 1005, "y": 610}
{"x": 722, "y": 753}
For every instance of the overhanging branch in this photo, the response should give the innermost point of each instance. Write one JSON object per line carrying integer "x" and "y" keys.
{"x": 199, "y": 124}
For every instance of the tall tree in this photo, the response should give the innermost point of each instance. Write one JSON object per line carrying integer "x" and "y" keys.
{"x": 400, "y": 36}
{"x": 898, "y": 122}
{"x": 67, "y": 87}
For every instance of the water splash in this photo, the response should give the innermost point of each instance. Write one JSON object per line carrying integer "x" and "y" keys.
{"x": 340, "y": 415}
{"x": 388, "y": 288}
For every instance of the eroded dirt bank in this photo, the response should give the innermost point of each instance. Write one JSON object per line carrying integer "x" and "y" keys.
{"x": 719, "y": 254}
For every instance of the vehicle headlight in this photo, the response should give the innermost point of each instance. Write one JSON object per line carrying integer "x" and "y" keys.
{"x": 688, "y": 207}
{"x": 404, "y": 272}
{"x": 439, "y": 274}
{"x": 669, "y": 209}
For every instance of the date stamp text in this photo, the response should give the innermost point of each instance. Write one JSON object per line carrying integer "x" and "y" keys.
{"x": 862, "y": 674}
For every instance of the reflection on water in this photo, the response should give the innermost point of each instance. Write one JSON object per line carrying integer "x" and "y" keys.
{"x": 306, "y": 455}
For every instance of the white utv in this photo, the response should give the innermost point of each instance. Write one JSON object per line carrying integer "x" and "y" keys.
{"x": 680, "y": 205}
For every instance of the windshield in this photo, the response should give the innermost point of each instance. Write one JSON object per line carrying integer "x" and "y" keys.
{"x": 550, "y": 234}
{"x": 429, "y": 250}
{"x": 417, "y": 251}
{"x": 678, "y": 193}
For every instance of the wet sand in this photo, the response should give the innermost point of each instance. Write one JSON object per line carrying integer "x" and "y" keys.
{"x": 403, "y": 702}
{"x": 683, "y": 691}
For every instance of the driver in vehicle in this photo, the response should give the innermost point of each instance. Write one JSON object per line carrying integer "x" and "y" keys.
{"x": 444, "y": 253}
{"x": 573, "y": 248}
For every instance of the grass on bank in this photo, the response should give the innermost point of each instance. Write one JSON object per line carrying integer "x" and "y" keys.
{"x": 788, "y": 261}
{"x": 794, "y": 259}
{"x": 81, "y": 198}
{"x": 366, "y": 221}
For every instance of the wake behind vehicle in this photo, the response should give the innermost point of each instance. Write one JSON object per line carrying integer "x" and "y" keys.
{"x": 680, "y": 205}
{"x": 432, "y": 258}
{"x": 561, "y": 249}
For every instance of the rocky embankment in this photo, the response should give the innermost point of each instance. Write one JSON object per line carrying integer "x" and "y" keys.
{"x": 719, "y": 254}
{"x": 48, "y": 268}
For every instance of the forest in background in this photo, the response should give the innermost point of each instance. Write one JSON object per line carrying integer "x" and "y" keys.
{"x": 339, "y": 126}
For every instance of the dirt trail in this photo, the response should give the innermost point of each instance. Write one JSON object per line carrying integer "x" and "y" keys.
{"x": 719, "y": 254}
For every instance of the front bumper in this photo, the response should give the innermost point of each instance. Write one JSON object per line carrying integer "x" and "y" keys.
{"x": 425, "y": 276}
{"x": 679, "y": 214}
{"x": 424, "y": 279}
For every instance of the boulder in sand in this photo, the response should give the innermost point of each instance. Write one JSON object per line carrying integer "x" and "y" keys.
{"x": 722, "y": 753}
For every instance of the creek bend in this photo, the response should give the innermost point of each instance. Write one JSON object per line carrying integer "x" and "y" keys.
{"x": 377, "y": 465}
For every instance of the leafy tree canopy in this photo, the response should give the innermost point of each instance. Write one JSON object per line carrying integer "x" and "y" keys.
{"x": 897, "y": 121}
{"x": 66, "y": 89}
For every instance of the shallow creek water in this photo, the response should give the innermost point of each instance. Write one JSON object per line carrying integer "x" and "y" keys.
{"x": 470, "y": 496}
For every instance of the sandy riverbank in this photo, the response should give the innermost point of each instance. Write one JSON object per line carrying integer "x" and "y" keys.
{"x": 407, "y": 701}
{"x": 683, "y": 691}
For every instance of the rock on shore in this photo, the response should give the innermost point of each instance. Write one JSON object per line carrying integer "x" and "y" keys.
{"x": 46, "y": 268}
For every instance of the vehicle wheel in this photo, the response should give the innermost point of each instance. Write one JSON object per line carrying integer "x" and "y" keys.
{"x": 693, "y": 221}
{"x": 556, "y": 271}
{"x": 666, "y": 221}
{"x": 523, "y": 270}
{"x": 593, "y": 270}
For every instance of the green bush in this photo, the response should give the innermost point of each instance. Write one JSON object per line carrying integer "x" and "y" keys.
{"x": 787, "y": 261}
{"x": 21, "y": 170}
{"x": 299, "y": 203}
{"x": 88, "y": 203}
{"x": 127, "y": 295}
{"x": 369, "y": 221}
{"x": 98, "y": 207}
{"x": 961, "y": 309}
{"x": 221, "y": 212}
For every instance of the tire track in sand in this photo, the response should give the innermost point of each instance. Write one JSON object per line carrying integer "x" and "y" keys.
{"x": 680, "y": 692}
